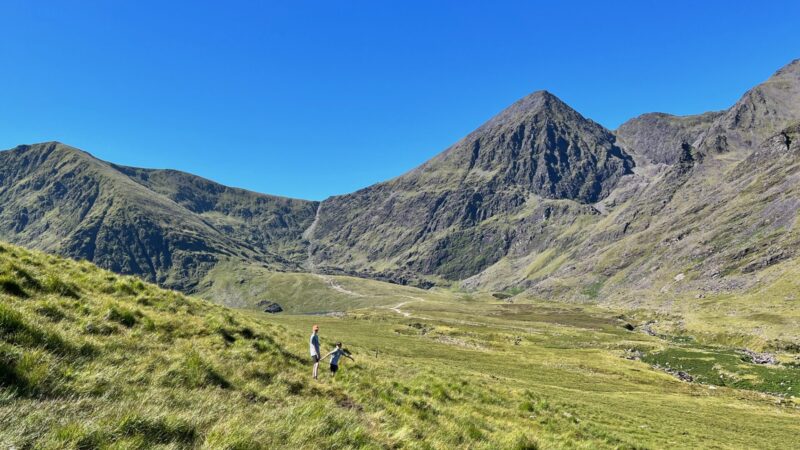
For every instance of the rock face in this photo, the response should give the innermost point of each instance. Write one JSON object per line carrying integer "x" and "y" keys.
{"x": 761, "y": 112}
{"x": 717, "y": 216}
{"x": 659, "y": 137}
{"x": 441, "y": 218}
{"x": 166, "y": 226}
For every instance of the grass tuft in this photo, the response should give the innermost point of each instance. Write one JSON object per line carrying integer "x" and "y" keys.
{"x": 16, "y": 330}
{"x": 52, "y": 312}
{"x": 194, "y": 372}
{"x": 121, "y": 316}
{"x": 55, "y": 285}
{"x": 10, "y": 286}
{"x": 160, "y": 430}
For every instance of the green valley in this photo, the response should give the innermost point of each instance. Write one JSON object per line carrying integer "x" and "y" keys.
{"x": 91, "y": 359}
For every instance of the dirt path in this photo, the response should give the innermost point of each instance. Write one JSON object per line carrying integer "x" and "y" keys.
{"x": 336, "y": 286}
{"x": 396, "y": 308}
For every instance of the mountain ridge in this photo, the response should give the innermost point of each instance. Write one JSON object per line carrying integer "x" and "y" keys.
{"x": 537, "y": 198}
{"x": 104, "y": 215}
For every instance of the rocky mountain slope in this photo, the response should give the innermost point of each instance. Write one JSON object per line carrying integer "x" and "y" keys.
{"x": 704, "y": 212}
{"x": 166, "y": 226}
{"x": 539, "y": 160}
{"x": 615, "y": 209}
{"x": 538, "y": 198}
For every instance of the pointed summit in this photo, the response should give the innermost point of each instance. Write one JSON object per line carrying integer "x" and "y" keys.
{"x": 543, "y": 146}
{"x": 538, "y": 102}
{"x": 436, "y": 217}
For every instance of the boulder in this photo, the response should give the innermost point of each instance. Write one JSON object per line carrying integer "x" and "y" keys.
{"x": 269, "y": 306}
{"x": 683, "y": 376}
{"x": 633, "y": 354}
{"x": 760, "y": 358}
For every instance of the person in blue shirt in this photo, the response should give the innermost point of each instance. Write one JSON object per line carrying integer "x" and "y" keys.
{"x": 313, "y": 347}
{"x": 335, "y": 354}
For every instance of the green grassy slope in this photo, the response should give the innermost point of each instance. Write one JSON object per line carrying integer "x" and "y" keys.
{"x": 243, "y": 286}
{"x": 90, "y": 359}
{"x": 165, "y": 226}
{"x": 556, "y": 372}
{"x": 762, "y": 317}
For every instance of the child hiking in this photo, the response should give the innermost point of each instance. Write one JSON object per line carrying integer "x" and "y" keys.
{"x": 313, "y": 348}
{"x": 335, "y": 354}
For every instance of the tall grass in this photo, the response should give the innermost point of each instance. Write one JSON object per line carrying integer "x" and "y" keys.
{"x": 90, "y": 359}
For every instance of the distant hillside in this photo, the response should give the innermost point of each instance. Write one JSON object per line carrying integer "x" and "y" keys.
{"x": 165, "y": 226}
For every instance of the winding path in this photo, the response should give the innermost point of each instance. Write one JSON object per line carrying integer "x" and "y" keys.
{"x": 396, "y": 308}
{"x": 336, "y": 286}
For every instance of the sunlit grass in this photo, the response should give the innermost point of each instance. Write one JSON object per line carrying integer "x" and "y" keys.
{"x": 89, "y": 359}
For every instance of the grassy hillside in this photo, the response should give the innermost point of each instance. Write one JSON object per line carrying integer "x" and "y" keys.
{"x": 165, "y": 226}
{"x": 243, "y": 286}
{"x": 90, "y": 359}
{"x": 763, "y": 317}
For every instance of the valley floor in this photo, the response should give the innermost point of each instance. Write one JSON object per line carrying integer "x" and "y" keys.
{"x": 556, "y": 374}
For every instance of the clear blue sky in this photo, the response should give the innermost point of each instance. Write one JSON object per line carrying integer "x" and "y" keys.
{"x": 311, "y": 99}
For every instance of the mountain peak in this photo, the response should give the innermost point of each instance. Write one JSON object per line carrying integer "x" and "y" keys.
{"x": 47, "y": 146}
{"x": 761, "y": 112}
{"x": 541, "y": 95}
{"x": 40, "y": 151}
{"x": 791, "y": 70}
{"x": 536, "y": 103}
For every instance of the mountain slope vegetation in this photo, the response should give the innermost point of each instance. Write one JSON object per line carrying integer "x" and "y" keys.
{"x": 90, "y": 359}
{"x": 662, "y": 176}
{"x": 165, "y": 226}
